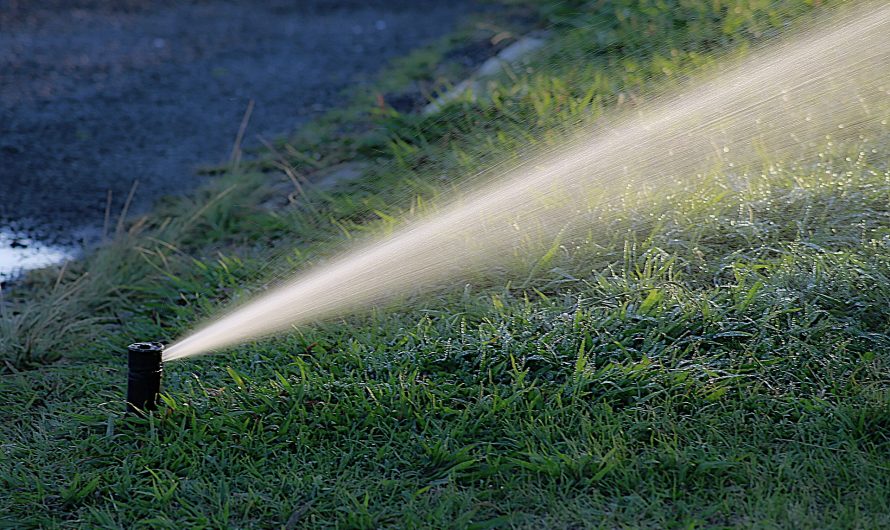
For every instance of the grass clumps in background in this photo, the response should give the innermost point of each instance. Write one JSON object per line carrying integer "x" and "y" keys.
{"x": 715, "y": 358}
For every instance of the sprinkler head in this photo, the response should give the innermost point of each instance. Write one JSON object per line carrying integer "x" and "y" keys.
{"x": 144, "y": 377}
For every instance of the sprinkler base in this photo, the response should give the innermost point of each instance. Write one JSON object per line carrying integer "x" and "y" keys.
{"x": 145, "y": 367}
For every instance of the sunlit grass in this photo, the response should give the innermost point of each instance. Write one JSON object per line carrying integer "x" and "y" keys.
{"x": 711, "y": 358}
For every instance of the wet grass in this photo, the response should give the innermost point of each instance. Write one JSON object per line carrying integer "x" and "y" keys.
{"x": 714, "y": 358}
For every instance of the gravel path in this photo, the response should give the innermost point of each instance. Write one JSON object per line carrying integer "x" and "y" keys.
{"x": 93, "y": 97}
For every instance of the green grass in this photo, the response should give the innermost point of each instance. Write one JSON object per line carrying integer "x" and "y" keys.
{"x": 714, "y": 358}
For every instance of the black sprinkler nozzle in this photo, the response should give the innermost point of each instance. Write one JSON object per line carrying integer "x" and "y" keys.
{"x": 144, "y": 377}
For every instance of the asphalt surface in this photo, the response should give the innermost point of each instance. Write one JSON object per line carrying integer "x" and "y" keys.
{"x": 95, "y": 95}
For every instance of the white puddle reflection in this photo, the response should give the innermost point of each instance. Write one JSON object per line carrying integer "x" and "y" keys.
{"x": 19, "y": 253}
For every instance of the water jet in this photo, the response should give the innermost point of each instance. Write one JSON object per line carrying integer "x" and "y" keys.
{"x": 144, "y": 369}
{"x": 829, "y": 84}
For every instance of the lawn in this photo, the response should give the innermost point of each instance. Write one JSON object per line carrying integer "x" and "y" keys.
{"x": 716, "y": 357}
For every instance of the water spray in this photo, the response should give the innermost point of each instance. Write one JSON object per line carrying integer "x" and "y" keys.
{"x": 831, "y": 83}
{"x": 145, "y": 367}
